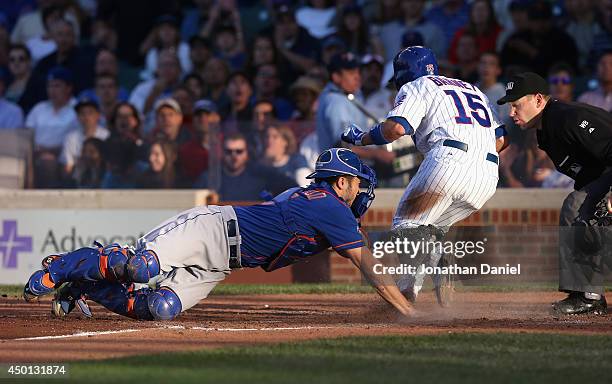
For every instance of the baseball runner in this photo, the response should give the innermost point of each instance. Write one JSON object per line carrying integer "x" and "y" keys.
{"x": 454, "y": 126}
{"x": 185, "y": 257}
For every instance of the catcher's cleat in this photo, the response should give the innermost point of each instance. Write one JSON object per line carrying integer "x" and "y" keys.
{"x": 39, "y": 284}
{"x": 577, "y": 304}
{"x": 67, "y": 297}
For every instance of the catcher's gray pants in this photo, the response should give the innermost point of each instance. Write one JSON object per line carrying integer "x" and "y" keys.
{"x": 582, "y": 267}
{"x": 193, "y": 248}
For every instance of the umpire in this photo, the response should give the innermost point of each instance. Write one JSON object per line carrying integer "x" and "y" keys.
{"x": 578, "y": 139}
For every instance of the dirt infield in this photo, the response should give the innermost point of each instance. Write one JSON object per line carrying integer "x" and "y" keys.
{"x": 30, "y": 334}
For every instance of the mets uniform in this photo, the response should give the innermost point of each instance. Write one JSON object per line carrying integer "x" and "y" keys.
{"x": 454, "y": 127}
{"x": 195, "y": 247}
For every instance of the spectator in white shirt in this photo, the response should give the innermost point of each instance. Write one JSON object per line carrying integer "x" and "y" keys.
{"x": 88, "y": 114}
{"x": 52, "y": 119}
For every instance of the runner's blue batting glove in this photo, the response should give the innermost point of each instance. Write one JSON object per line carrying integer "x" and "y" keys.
{"x": 353, "y": 134}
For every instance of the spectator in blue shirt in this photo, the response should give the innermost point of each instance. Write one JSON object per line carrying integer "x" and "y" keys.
{"x": 335, "y": 110}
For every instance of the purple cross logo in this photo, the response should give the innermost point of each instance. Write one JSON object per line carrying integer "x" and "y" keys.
{"x": 11, "y": 244}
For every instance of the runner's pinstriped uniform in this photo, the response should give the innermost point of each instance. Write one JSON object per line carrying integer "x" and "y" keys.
{"x": 455, "y": 127}
{"x": 451, "y": 183}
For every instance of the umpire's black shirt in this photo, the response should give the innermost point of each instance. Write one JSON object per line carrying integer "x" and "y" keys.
{"x": 578, "y": 139}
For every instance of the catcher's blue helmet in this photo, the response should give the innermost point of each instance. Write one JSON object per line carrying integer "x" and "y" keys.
{"x": 411, "y": 63}
{"x": 342, "y": 161}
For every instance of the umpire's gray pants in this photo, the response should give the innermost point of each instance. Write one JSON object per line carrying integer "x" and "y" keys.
{"x": 582, "y": 269}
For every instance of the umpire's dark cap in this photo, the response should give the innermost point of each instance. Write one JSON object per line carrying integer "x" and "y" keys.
{"x": 523, "y": 84}
{"x": 342, "y": 61}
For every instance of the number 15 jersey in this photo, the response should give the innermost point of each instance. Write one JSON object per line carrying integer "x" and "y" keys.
{"x": 438, "y": 108}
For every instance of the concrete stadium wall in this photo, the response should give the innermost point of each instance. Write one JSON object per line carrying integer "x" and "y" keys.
{"x": 40, "y": 222}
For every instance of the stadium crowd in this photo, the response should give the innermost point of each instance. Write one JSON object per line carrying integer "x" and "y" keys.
{"x": 241, "y": 95}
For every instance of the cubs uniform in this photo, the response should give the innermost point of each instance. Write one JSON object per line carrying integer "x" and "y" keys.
{"x": 453, "y": 125}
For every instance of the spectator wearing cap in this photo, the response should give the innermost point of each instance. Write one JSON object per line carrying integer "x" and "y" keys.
{"x": 449, "y": 16}
{"x": 193, "y": 155}
{"x": 52, "y": 119}
{"x": 377, "y": 98}
{"x": 79, "y": 60}
{"x": 267, "y": 86}
{"x": 335, "y": 110}
{"x": 601, "y": 96}
{"x": 295, "y": 45}
{"x": 200, "y": 51}
{"x": 168, "y": 77}
{"x": 88, "y": 115}
{"x": 169, "y": 122}
{"x": 561, "y": 82}
{"x": 541, "y": 45}
{"x": 482, "y": 25}
{"x": 11, "y": 115}
{"x": 354, "y": 32}
{"x": 304, "y": 94}
{"x": 164, "y": 36}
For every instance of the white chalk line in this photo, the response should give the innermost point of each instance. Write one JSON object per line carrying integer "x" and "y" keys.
{"x": 172, "y": 327}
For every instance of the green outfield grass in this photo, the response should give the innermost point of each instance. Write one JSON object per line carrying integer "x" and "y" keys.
{"x": 448, "y": 358}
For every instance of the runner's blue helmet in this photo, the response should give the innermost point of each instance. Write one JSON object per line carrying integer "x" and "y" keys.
{"x": 411, "y": 63}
